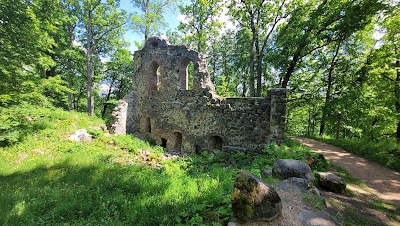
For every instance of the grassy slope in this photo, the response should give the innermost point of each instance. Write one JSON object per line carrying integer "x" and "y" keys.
{"x": 47, "y": 179}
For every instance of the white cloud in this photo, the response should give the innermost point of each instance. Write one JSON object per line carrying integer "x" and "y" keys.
{"x": 224, "y": 18}
{"x": 182, "y": 18}
{"x": 77, "y": 43}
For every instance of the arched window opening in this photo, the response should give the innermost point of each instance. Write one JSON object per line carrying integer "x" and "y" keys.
{"x": 189, "y": 75}
{"x": 178, "y": 141}
{"x": 163, "y": 142}
{"x": 215, "y": 142}
{"x": 153, "y": 74}
{"x": 186, "y": 74}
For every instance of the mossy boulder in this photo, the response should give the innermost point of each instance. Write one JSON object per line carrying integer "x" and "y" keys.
{"x": 253, "y": 199}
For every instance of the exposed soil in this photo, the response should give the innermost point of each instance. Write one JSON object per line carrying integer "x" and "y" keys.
{"x": 378, "y": 201}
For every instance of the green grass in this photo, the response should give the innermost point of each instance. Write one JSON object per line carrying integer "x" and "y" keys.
{"x": 386, "y": 153}
{"x": 47, "y": 179}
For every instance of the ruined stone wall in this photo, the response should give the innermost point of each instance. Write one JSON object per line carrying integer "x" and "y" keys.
{"x": 162, "y": 108}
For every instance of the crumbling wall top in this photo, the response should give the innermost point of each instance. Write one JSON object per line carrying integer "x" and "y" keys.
{"x": 163, "y": 68}
{"x": 155, "y": 42}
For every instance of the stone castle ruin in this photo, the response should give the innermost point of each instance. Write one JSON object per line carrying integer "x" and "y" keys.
{"x": 161, "y": 107}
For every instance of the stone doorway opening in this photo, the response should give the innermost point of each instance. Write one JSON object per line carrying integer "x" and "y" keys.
{"x": 163, "y": 142}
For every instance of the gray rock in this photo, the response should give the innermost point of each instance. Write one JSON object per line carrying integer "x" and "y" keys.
{"x": 265, "y": 173}
{"x": 253, "y": 199}
{"x": 286, "y": 168}
{"x": 331, "y": 182}
{"x": 103, "y": 127}
{"x": 321, "y": 218}
{"x": 300, "y": 184}
{"x": 81, "y": 135}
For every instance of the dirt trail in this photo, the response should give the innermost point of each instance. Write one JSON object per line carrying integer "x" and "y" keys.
{"x": 383, "y": 182}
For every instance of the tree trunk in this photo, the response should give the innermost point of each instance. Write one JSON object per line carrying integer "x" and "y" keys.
{"x": 259, "y": 73}
{"x": 397, "y": 95}
{"x": 244, "y": 88}
{"x": 89, "y": 71}
{"x": 69, "y": 65}
{"x": 107, "y": 98}
{"x": 147, "y": 26}
{"x": 339, "y": 118}
{"x": 328, "y": 91}
{"x": 309, "y": 123}
{"x": 289, "y": 72}
{"x": 251, "y": 71}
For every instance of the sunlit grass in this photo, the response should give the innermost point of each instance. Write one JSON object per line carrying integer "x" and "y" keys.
{"x": 47, "y": 179}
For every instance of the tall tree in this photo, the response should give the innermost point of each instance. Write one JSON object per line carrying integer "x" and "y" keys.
{"x": 385, "y": 65}
{"x": 117, "y": 77}
{"x": 149, "y": 18}
{"x": 101, "y": 23}
{"x": 261, "y": 19}
{"x": 201, "y": 22}
{"x": 313, "y": 26}
{"x": 26, "y": 49}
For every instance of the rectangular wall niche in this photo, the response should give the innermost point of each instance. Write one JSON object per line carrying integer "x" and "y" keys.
{"x": 178, "y": 141}
{"x": 146, "y": 125}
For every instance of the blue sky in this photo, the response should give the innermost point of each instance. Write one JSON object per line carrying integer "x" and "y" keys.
{"x": 170, "y": 18}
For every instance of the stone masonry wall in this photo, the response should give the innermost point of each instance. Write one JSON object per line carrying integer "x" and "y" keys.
{"x": 162, "y": 108}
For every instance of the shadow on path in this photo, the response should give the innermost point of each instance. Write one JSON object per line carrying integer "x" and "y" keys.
{"x": 383, "y": 183}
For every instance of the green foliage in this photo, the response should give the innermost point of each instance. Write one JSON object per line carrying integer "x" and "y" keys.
{"x": 19, "y": 121}
{"x": 48, "y": 179}
{"x": 130, "y": 143}
{"x": 149, "y": 19}
{"x": 200, "y": 23}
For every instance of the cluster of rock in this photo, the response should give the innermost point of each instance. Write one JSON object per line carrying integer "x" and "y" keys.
{"x": 253, "y": 200}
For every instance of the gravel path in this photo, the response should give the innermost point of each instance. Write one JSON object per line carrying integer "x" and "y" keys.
{"x": 384, "y": 183}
